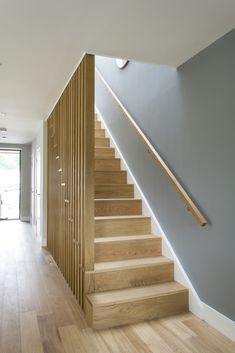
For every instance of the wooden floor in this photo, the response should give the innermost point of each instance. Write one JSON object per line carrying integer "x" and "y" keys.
{"x": 38, "y": 312}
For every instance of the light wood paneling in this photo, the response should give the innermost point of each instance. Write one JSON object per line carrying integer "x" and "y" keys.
{"x": 71, "y": 178}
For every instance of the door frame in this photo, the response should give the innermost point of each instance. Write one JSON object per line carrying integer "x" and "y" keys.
{"x": 20, "y": 184}
{"x": 37, "y": 180}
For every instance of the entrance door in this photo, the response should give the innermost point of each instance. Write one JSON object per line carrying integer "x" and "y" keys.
{"x": 9, "y": 184}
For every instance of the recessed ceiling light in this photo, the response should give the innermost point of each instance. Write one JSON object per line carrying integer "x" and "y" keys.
{"x": 3, "y": 132}
{"x": 3, "y": 115}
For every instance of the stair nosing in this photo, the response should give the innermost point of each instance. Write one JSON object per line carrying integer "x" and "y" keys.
{"x": 110, "y": 171}
{"x": 126, "y": 238}
{"x": 119, "y": 199}
{"x": 98, "y": 218}
{"x": 105, "y": 159}
{"x": 121, "y": 185}
{"x": 102, "y": 138}
{"x": 132, "y": 264}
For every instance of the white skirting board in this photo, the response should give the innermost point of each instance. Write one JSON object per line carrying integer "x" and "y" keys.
{"x": 44, "y": 242}
{"x": 219, "y": 321}
{"x": 196, "y": 306}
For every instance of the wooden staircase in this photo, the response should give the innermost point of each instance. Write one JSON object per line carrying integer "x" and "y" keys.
{"x": 131, "y": 280}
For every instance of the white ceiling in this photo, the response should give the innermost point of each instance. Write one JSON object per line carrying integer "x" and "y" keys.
{"x": 41, "y": 43}
{"x": 19, "y": 130}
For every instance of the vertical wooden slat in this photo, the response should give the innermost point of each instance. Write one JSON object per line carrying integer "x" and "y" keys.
{"x": 81, "y": 184}
{"x": 71, "y": 178}
{"x": 89, "y": 163}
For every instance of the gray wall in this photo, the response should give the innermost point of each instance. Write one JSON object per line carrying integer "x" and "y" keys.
{"x": 189, "y": 115}
{"x": 25, "y": 177}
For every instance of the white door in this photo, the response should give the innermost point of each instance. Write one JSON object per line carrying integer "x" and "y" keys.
{"x": 37, "y": 192}
{"x": 33, "y": 190}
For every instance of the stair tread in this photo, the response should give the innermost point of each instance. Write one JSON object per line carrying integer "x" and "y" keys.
{"x": 111, "y": 171}
{"x": 125, "y": 237}
{"x": 118, "y": 199}
{"x": 121, "y": 217}
{"x": 104, "y": 148}
{"x": 104, "y": 159}
{"x": 136, "y": 293}
{"x": 110, "y": 186}
{"x": 114, "y": 185}
{"x": 131, "y": 263}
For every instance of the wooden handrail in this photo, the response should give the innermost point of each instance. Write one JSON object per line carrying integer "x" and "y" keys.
{"x": 188, "y": 201}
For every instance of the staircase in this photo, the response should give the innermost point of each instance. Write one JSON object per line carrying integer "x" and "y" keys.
{"x": 131, "y": 280}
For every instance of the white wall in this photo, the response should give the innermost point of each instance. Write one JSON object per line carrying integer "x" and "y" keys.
{"x": 40, "y": 142}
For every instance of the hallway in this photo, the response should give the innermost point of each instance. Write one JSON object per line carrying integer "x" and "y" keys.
{"x": 38, "y": 312}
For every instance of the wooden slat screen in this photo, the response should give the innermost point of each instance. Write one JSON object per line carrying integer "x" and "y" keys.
{"x": 71, "y": 178}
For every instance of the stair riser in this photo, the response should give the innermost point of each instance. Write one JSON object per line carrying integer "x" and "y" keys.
{"x": 108, "y": 165}
{"x": 114, "y": 191}
{"x": 99, "y": 133}
{"x": 130, "y": 277}
{"x": 106, "y": 316}
{"x": 127, "y": 249}
{"x": 102, "y": 142}
{"x": 104, "y": 152}
{"x": 118, "y": 207}
{"x": 110, "y": 177}
{"x": 118, "y": 227}
{"x": 97, "y": 124}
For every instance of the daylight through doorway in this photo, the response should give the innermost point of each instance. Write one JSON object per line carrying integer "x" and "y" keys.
{"x": 9, "y": 184}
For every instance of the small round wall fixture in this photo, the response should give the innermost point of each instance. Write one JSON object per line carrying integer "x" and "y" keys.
{"x": 121, "y": 63}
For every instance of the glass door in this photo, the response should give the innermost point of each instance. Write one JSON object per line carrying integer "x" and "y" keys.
{"x": 9, "y": 184}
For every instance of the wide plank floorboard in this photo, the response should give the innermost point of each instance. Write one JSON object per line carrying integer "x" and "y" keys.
{"x": 39, "y": 314}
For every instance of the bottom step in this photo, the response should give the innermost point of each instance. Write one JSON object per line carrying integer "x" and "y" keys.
{"x": 125, "y": 306}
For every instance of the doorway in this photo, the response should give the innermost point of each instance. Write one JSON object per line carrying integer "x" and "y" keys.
{"x": 38, "y": 191}
{"x": 10, "y": 184}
